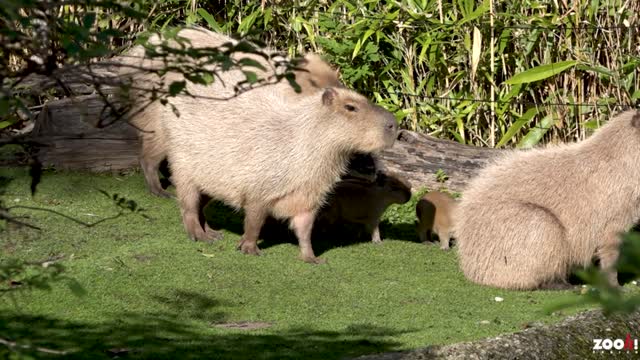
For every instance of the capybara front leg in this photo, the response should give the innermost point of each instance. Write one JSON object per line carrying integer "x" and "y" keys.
{"x": 253, "y": 220}
{"x": 189, "y": 198}
{"x": 444, "y": 240}
{"x": 608, "y": 254}
{"x": 375, "y": 236}
{"x": 302, "y": 225}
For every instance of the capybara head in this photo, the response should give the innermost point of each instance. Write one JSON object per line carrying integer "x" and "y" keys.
{"x": 396, "y": 188}
{"x": 366, "y": 127}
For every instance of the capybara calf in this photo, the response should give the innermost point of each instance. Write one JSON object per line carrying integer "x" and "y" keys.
{"x": 311, "y": 73}
{"x": 363, "y": 202}
{"x": 434, "y": 211}
{"x": 264, "y": 150}
{"x": 527, "y": 219}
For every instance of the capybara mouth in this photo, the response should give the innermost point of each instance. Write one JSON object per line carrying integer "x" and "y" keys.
{"x": 389, "y": 139}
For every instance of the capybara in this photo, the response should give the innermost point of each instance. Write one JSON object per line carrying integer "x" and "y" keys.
{"x": 311, "y": 73}
{"x": 264, "y": 150}
{"x": 531, "y": 216}
{"x": 434, "y": 213}
{"x": 362, "y": 202}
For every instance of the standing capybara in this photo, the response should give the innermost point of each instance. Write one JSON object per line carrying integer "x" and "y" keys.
{"x": 264, "y": 150}
{"x": 362, "y": 202}
{"x": 311, "y": 73}
{"x": 531, "y": 216}
{"x": 435, "y": 214}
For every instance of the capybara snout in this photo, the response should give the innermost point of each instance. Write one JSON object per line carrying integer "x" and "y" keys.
{"x": 369, "y": 127}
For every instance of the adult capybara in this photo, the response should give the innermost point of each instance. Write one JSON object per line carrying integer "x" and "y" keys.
{"x": 264, "y": 150}
{"x": 434, "y": 212}
{"x": 311, "y": 73}
{"x": 531, "y": 216}
{"x": 362, "y": 202}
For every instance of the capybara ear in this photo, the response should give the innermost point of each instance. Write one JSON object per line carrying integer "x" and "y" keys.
{"x": 329, "y": 96}
{"x": 635, "y": 120}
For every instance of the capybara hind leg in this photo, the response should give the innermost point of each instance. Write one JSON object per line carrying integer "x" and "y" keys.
{"x": 253, "y": 220}
{"x": 375, "y": 236}
{"x": 422, "y": 232}
{"x": 211, "y": 233}
{"x": 189, "y": 198}
{"x": 302, "y": 225}
{"x": 150, "y": 171}
{"x": 608, "y": 254}
{"x": 150, "y": 161}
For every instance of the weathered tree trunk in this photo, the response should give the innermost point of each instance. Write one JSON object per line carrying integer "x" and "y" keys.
{"x": 418, "y": 157}
{"x": 68, "y": 130}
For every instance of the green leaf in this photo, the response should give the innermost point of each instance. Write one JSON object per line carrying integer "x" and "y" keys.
{"x": 6, "y": 123}
{"x": 591, "y": 124}
{"x": 541, "y": 72}
{"x": 251, "y": 76}
{"x": 361, "y": 42}
{"x": 536, "y": 133}
{"x": 176, "y": 87}
{"x": 517, "y": 125}
{"x": 209, "y": 19}
{"x": 251, "y": 63}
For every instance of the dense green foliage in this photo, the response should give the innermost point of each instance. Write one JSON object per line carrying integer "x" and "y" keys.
{"x": 438, "y": 64}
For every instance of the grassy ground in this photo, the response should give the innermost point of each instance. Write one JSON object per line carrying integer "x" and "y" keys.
{"x": 153, "y": 292}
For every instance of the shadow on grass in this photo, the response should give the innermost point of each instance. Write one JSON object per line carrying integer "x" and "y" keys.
{"x": 276, "y": 232}
{"x": 173, "y": 335}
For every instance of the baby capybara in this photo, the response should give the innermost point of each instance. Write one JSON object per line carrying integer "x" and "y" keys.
{"x": 363, "y": 202}
{"x": 435, "y": 214}
{"x": 531, "y": 216}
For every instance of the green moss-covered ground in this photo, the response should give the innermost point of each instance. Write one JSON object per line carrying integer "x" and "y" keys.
{"x": 152, "y": 293}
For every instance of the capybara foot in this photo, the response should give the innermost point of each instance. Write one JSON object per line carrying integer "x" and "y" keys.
{"x": 313, "y": 260}
{"x": 212, "y": 235}
{"x": 556, "y": 285}
{"x": 207, "y": 235}
{"x": 249, "y": 248}
{"x": 162, "y": 193}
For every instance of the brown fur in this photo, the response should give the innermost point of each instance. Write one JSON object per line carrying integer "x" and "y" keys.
{"x": 311, "y": 74}
{"x": 362, "y": 202}
{"x": 434, "y": 212}
{"x": 531, "y": 216}
{"x": 264, "y": 150}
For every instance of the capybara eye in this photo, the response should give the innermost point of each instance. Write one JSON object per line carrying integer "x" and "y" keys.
{"x": 350, "y": 107}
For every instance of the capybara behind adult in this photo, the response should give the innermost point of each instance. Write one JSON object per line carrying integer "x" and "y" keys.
{"x": 311, "y": 74}
{"x": 363, "y": 202}
{"x": 527, "y": 219}
{"x": 266, "y": 151}
{"x": 434, "y": 212}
